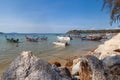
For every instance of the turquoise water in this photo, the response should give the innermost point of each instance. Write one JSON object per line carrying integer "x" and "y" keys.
{"x": 10, "y": 50}
{"x": 43, "y": 49}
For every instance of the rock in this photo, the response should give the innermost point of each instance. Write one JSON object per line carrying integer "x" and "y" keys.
{"x": 108, "y": 48}
{"x": 110, "y": 61}
{"x": 69, "y": 63}
{"x": 65, "y": 72}
{"x": 104, "y": 63}
{"x": 91, "y": 69}
{"x": 112, "y": 67}
{"x": 75, "y": 61}
{"x": 75, "y": 68}
{"x": 77, "y": 77}
{"x": 28, "y": 67}
{"x": 56, "y": 63}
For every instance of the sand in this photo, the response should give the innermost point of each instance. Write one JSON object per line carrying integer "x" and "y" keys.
{"x": 61, "y": 58}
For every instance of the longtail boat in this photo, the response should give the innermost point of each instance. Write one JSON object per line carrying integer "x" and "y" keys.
{"x": 92, "y": 38}
{"x": 12, "y": 40}
{"x": 30, "y": 39}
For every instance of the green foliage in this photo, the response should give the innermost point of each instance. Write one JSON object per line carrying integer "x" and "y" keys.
{"x": 114, "y": 7}
{"x": 77, "y": 32}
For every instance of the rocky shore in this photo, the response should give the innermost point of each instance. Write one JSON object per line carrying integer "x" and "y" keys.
{"x": 101, "y": 64}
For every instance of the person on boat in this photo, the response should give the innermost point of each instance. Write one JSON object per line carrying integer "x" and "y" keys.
{"x": 17, "y": 40}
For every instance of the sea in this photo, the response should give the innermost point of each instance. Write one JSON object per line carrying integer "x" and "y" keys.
{"x": 43, "y": 49}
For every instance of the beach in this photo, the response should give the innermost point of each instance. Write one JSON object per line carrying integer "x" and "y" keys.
{"x": 45, "y": 50}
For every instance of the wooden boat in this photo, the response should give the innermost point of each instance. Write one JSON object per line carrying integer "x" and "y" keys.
{"x": 60, "y": 43}
{"x": 32, "y": 39}
{"x": 12, "y": 40}
{"x": 92, "y": 38}
{"x": 43, "y": 38}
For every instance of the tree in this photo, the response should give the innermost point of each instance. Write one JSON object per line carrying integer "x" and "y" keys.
{"x": 114, "y": 7}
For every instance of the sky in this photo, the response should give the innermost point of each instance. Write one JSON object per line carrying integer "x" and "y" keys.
{"x": 52, "y": 16}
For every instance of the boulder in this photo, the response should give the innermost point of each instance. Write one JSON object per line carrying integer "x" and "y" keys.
{"x": 104, "y": 63}
{"x": 75, "y": 68}
{"x": 55, "y": 63}
{"x": 64, "y": 72}
{"x": 75, "y": 61}
{"x": 91, "y": 68}
{"x": 28, "y": 67}
{"x": 69, "y": 63}
{"x": 112, "y": 67}
{"x": 108, "y": 48}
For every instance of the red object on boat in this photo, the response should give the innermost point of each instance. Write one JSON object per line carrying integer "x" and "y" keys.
{"x": 32, "y": 39}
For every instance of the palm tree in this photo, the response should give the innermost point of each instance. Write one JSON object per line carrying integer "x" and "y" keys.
{"x": 114, "y": 7}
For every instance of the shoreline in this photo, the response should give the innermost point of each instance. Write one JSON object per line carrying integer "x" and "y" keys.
{"x": 61, "y": 58}
{"x": 4, "y": 65}
{"x": 75, "y": 64}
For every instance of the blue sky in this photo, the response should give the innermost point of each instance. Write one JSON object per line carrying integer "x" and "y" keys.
{"x": 52, "y": 16}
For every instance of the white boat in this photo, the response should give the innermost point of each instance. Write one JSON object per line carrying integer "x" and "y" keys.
{"x": 61, "y": 43}
{"x": 61, "y": 38}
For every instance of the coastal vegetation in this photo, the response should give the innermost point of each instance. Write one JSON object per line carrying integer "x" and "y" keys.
{"x": 1, "y": 32}
{"x": 114, "y": 7}
{"x": 77, "y": 32}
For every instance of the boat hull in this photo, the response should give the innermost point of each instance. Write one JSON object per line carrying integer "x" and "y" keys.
{"x": 60, "y": 44}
